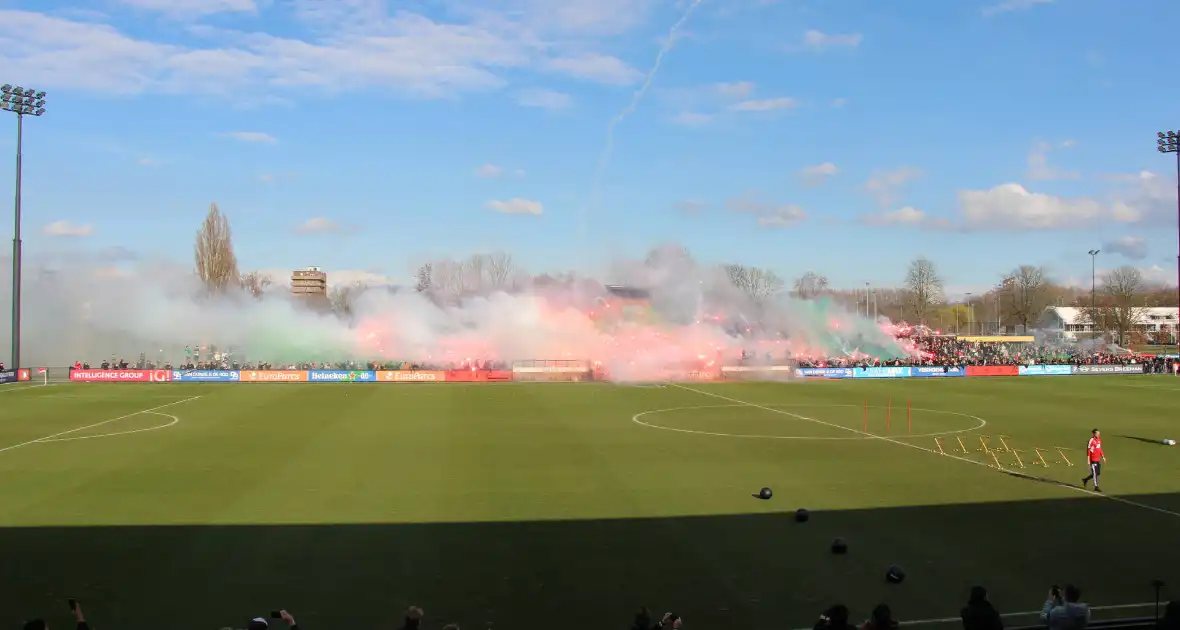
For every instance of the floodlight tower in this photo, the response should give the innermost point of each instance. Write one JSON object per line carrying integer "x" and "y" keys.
{"x": 1169, "y": 142}
{"x": 22, "y": 102}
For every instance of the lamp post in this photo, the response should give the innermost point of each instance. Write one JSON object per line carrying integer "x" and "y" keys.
{"x": 22, "y": 102}
{"x": 1169, "y": 142}
{"x": 1093, "y": 287}
{"x": 970, "y": 315}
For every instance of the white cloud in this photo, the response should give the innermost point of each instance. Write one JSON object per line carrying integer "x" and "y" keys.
{"x": 691, "y": 119}
{"x": 902, "y": 216}
{"x": 1012, "y": 5}
{"x": 147, "y": 161}
{"x": 818, "y": 40}
{"x": 768, "y": 215}
{"x": 597, "y": 68}
{"x": 764, "y": 105}
{"x": 1038, "y": 163}
{"x": 735, "y": 90}
{"x": 351, "y": 45}
{"x": 543, "y": 99}
{"x": 193, "y": 7}
{"x": 67, "y": 229}
{"x": 489, "y": 171}
{"x": 837, "y": 103}
{"x": 318, "y": 225}
{"x": 818, "y": 174}
{"x": 691, "y": 206}
{"x": 250, "y": 136}
{"x": 1132, "y": 247}
{"x": 1011, "y": 206}
{"x": 517, "y": 206}
{"x": 884, "y": 185}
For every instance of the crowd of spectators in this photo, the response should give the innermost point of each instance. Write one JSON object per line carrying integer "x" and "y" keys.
{"x": 146, "y": 364}
{"x": 1063, "y": 609}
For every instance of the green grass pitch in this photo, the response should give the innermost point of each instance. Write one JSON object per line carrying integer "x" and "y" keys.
{"x": 569, "y": 505}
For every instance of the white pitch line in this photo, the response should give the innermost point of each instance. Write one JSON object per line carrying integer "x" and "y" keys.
{"x": 21, "y": 389}
{"x": 96, "y": 424}
{"x": 1027, "y": 613}
{"x": 920, "y": 448}
{"x": 175, "y": 421}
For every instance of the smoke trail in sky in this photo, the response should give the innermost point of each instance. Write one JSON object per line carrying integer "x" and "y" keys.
{"x": 636, "y": 98}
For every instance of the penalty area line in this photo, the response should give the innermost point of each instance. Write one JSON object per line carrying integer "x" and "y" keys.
{"x": 97, "y": 424}
{"x": 890, "y": 440}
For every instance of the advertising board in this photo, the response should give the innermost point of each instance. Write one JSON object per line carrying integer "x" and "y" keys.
{"x": 937, "y": 371}
{"x": 892, "y": 371}
{"x": 992, "y": 370}
{"x": 206, "y": 376}
{"x": 273, "y": 376}
{"x": 829, "y": 372}
{"x": 478, "y": 376}
{"x": 25, "y": 374}
{"x": 8, "y": 376}
{"x": 341, "y": 376}
{"x": 551, "y": 377}
{"x": 121, "y": 376}
{"x": 1045, "y": 370}
{"x": 411, "y": 376}
{"x": 1108, "y": 369}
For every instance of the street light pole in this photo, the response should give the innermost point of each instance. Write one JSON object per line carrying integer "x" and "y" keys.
{"x": 970, "y": 315}
{"x": 1169, "y": 142}
{"x": 22, "y": 102}
{"x": 1093, "y": 288}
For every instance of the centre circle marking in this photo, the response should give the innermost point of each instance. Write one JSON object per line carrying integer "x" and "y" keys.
{"x": 636, "y": 420}
{"x": 174, "y": 422}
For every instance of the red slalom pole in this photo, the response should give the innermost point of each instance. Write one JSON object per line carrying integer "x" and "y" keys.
{"x": 889, "y": 414}
{"x": 866, "y": 416}
{"x": 909, "y": 417}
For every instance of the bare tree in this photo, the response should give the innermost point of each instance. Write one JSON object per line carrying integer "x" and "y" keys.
{"x": 474, "y": 270}
{"x": 217, "y": 266}
{"x": 1124, "y": 289}
{"x": 424, "y": 278}
{"x": 448, "y": 280}
{"x": 810, "y": 285}
{"x": 1027, "y": 291}
{"x": 924, "y": 288}
{"x": 343, "y": 298}
{"x": 758, "y": 284}
{"x": 501, "y": 271}
{"x": 256, "y": 283}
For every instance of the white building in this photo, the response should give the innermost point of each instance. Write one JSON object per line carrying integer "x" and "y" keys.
{"x": 1068, "y": 322}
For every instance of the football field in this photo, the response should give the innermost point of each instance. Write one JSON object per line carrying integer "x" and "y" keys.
{"x": 570, "y": 505}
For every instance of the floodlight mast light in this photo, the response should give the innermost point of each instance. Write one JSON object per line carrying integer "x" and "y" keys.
{"x": 1169, "y": 142}
{"x": 22, "y": 102}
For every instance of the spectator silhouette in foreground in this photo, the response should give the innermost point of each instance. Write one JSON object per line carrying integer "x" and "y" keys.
{"x": 40, "y": 624}
{"x": 881, "y": 619}
{"x": 1171, "y": 618}
{"x": 834, "y": 618}
{"x": 979, "y": 614}
{"x": 671, "y": 621}
{"x": 643, "y": 620}
{"x": 413, "y": 618}
{"x": 258, "y": 623}
{"x": 1063, "y": 609}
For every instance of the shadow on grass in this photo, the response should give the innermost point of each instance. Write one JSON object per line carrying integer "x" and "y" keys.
{"x": 1141, "y": 439}
{"x": 753, "y": 572}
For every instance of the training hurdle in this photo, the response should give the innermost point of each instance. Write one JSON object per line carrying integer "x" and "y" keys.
{"x": 962, "y": 449}
{"x": 1019, "y": 461}
{"x": 983, "y": 448}
{"x": 1061, "y": 451}
{"x": 1003, "y": 444}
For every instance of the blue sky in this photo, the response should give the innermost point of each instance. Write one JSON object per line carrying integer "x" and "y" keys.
{"x": 844, "y": 137}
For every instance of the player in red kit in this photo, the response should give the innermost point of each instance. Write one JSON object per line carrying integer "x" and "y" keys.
{"x": 1096, "y": 457}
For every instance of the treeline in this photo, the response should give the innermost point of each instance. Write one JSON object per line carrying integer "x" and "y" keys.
{"x": 1017, "y": 300}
